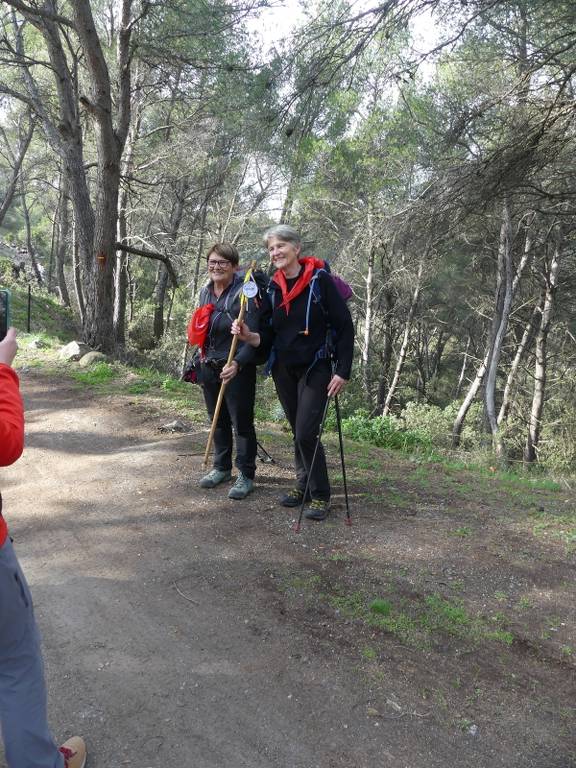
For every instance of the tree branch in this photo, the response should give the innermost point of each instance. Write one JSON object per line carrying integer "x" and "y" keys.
{"x": 151, "y": 255}
{"x": 30, "y": 10}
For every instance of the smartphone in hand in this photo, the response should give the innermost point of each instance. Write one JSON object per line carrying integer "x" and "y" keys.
{"x": 4, "y": 312}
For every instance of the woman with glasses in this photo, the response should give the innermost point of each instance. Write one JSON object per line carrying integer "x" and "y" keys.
{"x": 219, "y": 305}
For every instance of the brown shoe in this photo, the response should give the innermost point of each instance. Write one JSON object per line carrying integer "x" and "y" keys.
{"x": 74, "y": 751}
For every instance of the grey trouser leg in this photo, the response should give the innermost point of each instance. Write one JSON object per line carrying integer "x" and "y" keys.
{"x": 28, "y": 742}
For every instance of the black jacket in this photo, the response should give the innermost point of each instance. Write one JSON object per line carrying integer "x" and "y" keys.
{"x": 329, "y": 321}
{"x": 226, "y": 310}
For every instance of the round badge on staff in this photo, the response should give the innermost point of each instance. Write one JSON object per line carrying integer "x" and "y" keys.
{"x": 250, "y": 289}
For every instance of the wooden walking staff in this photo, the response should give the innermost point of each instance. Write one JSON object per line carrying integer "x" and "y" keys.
{"x": 243, "y": 306}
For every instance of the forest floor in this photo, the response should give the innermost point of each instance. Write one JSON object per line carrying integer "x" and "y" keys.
{"x": 182, "y": 628}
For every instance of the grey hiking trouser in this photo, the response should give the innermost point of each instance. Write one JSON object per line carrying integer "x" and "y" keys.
{"x": 28, "y": 742}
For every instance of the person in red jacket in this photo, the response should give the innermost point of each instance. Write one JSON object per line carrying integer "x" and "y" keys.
{"x": 27, "y": 739}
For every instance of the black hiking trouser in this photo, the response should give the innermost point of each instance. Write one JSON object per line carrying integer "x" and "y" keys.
{"x": 302, "y": 392}
{"x": 236, "y": 414}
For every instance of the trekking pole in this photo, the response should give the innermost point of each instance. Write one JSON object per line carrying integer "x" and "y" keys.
{"x": 297, "y": 526}
{"x": 348, "y": 519}
{"x": 233, "y": 345}
{"x": 266, "y": 459}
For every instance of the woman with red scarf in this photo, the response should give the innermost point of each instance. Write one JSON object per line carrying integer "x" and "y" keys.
{"x": 313, "y": 344}
{"x": 209, "y": 329}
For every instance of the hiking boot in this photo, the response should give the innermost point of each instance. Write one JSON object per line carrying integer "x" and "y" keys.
{"x": 74, "y": 751}
{"x": 241, "y": 488}
{"x": 317, "y": 509}
{"x": 294, "y": 498}
{"x": 215, "y": 477}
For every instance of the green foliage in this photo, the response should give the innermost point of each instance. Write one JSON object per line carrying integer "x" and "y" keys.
{"x": 369, "y": 173}
{"x": 447, "y": 616}
{"x": 381, "y": 607}
{"x": 561, "y": 526}
{"x": 462, "y": 532}
{"x": 5, "y": 271}
{"x": 47, "y": 315}
{"x": 557, "y": 451}
{"x": 436, "y": 423}
{"x": 141, "y": 329}
{"x": 150, "y": 379}
{"x": 383, "y": 431}
{"x": 417, "y": 621}
{"x": 98, "y": 374}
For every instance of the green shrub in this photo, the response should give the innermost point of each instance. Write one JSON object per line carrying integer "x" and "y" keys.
{"x": 557, "y": 449}
{"x": 47, "y": 315}
{"x": 5, "y": 271}
{"x": 141, "y": 328}
{"x": 100, "y": 373}
{"x": 381, "y": 607}
{"x": 436, "y": 423}
{"x": 383, "y": 431}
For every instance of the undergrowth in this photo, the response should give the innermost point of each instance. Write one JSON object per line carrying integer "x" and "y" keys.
{"x": 415, "y": 620}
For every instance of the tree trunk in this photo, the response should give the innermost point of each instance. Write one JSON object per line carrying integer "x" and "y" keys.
{"x": 54, "y": 243}
{"x": 286, "y": 214}
{"x": 99, "y": 262}
{"x": 159, "y": 298}
{"x": 63, "y": 242}
{"x": 421, "y": 360}
{"x": 387, "y": 349}
{"x": 502, "y": 309}
{"x": 535, "y": 425}
{"x": 434, "y": 370}
{"x": 467, "y": 402}
{"x": 77, "y": 273}
{"x": 121, "y": 279}
{"x": 368, "y": 324}
{"x": 162, "y": 274}
{"x": 95, "y": 223}
{"x": 406, "y": 338}
{"x": 29, "y": 243}
{"x": 170, "y": 306}
{"x": 460, "y": 382}
{"x": 480, "y": 373}
{"x": 199, "y": 253}
{"x": 121, "y": 265}
{"x": 131, "y": 292}
{"x": 523, "y": 346}
{"x": 17, "y": 165}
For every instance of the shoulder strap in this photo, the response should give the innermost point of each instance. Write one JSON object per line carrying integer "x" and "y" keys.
{"x": 271, "y": 294}
{"x": 203, "y": 296}
{"x": 315, "y": 294}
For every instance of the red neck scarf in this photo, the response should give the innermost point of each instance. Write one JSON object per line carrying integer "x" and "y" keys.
{"x": 199, "y": 325}
{"x": 310, "y": 263}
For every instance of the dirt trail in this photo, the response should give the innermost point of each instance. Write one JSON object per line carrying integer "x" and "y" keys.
{"x": 164, "y": 641}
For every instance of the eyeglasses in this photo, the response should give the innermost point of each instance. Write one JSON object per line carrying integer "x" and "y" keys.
{"x": 218, "y": 264}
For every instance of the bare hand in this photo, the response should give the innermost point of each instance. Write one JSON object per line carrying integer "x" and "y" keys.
{"x": 245, "y": 334}
{"x": 229, "y": 371}
{"x": 336, "y": 385}
{"x": 8, "y": 347}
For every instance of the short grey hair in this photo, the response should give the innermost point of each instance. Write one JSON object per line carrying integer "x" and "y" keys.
{"x": 283, "y": 232}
